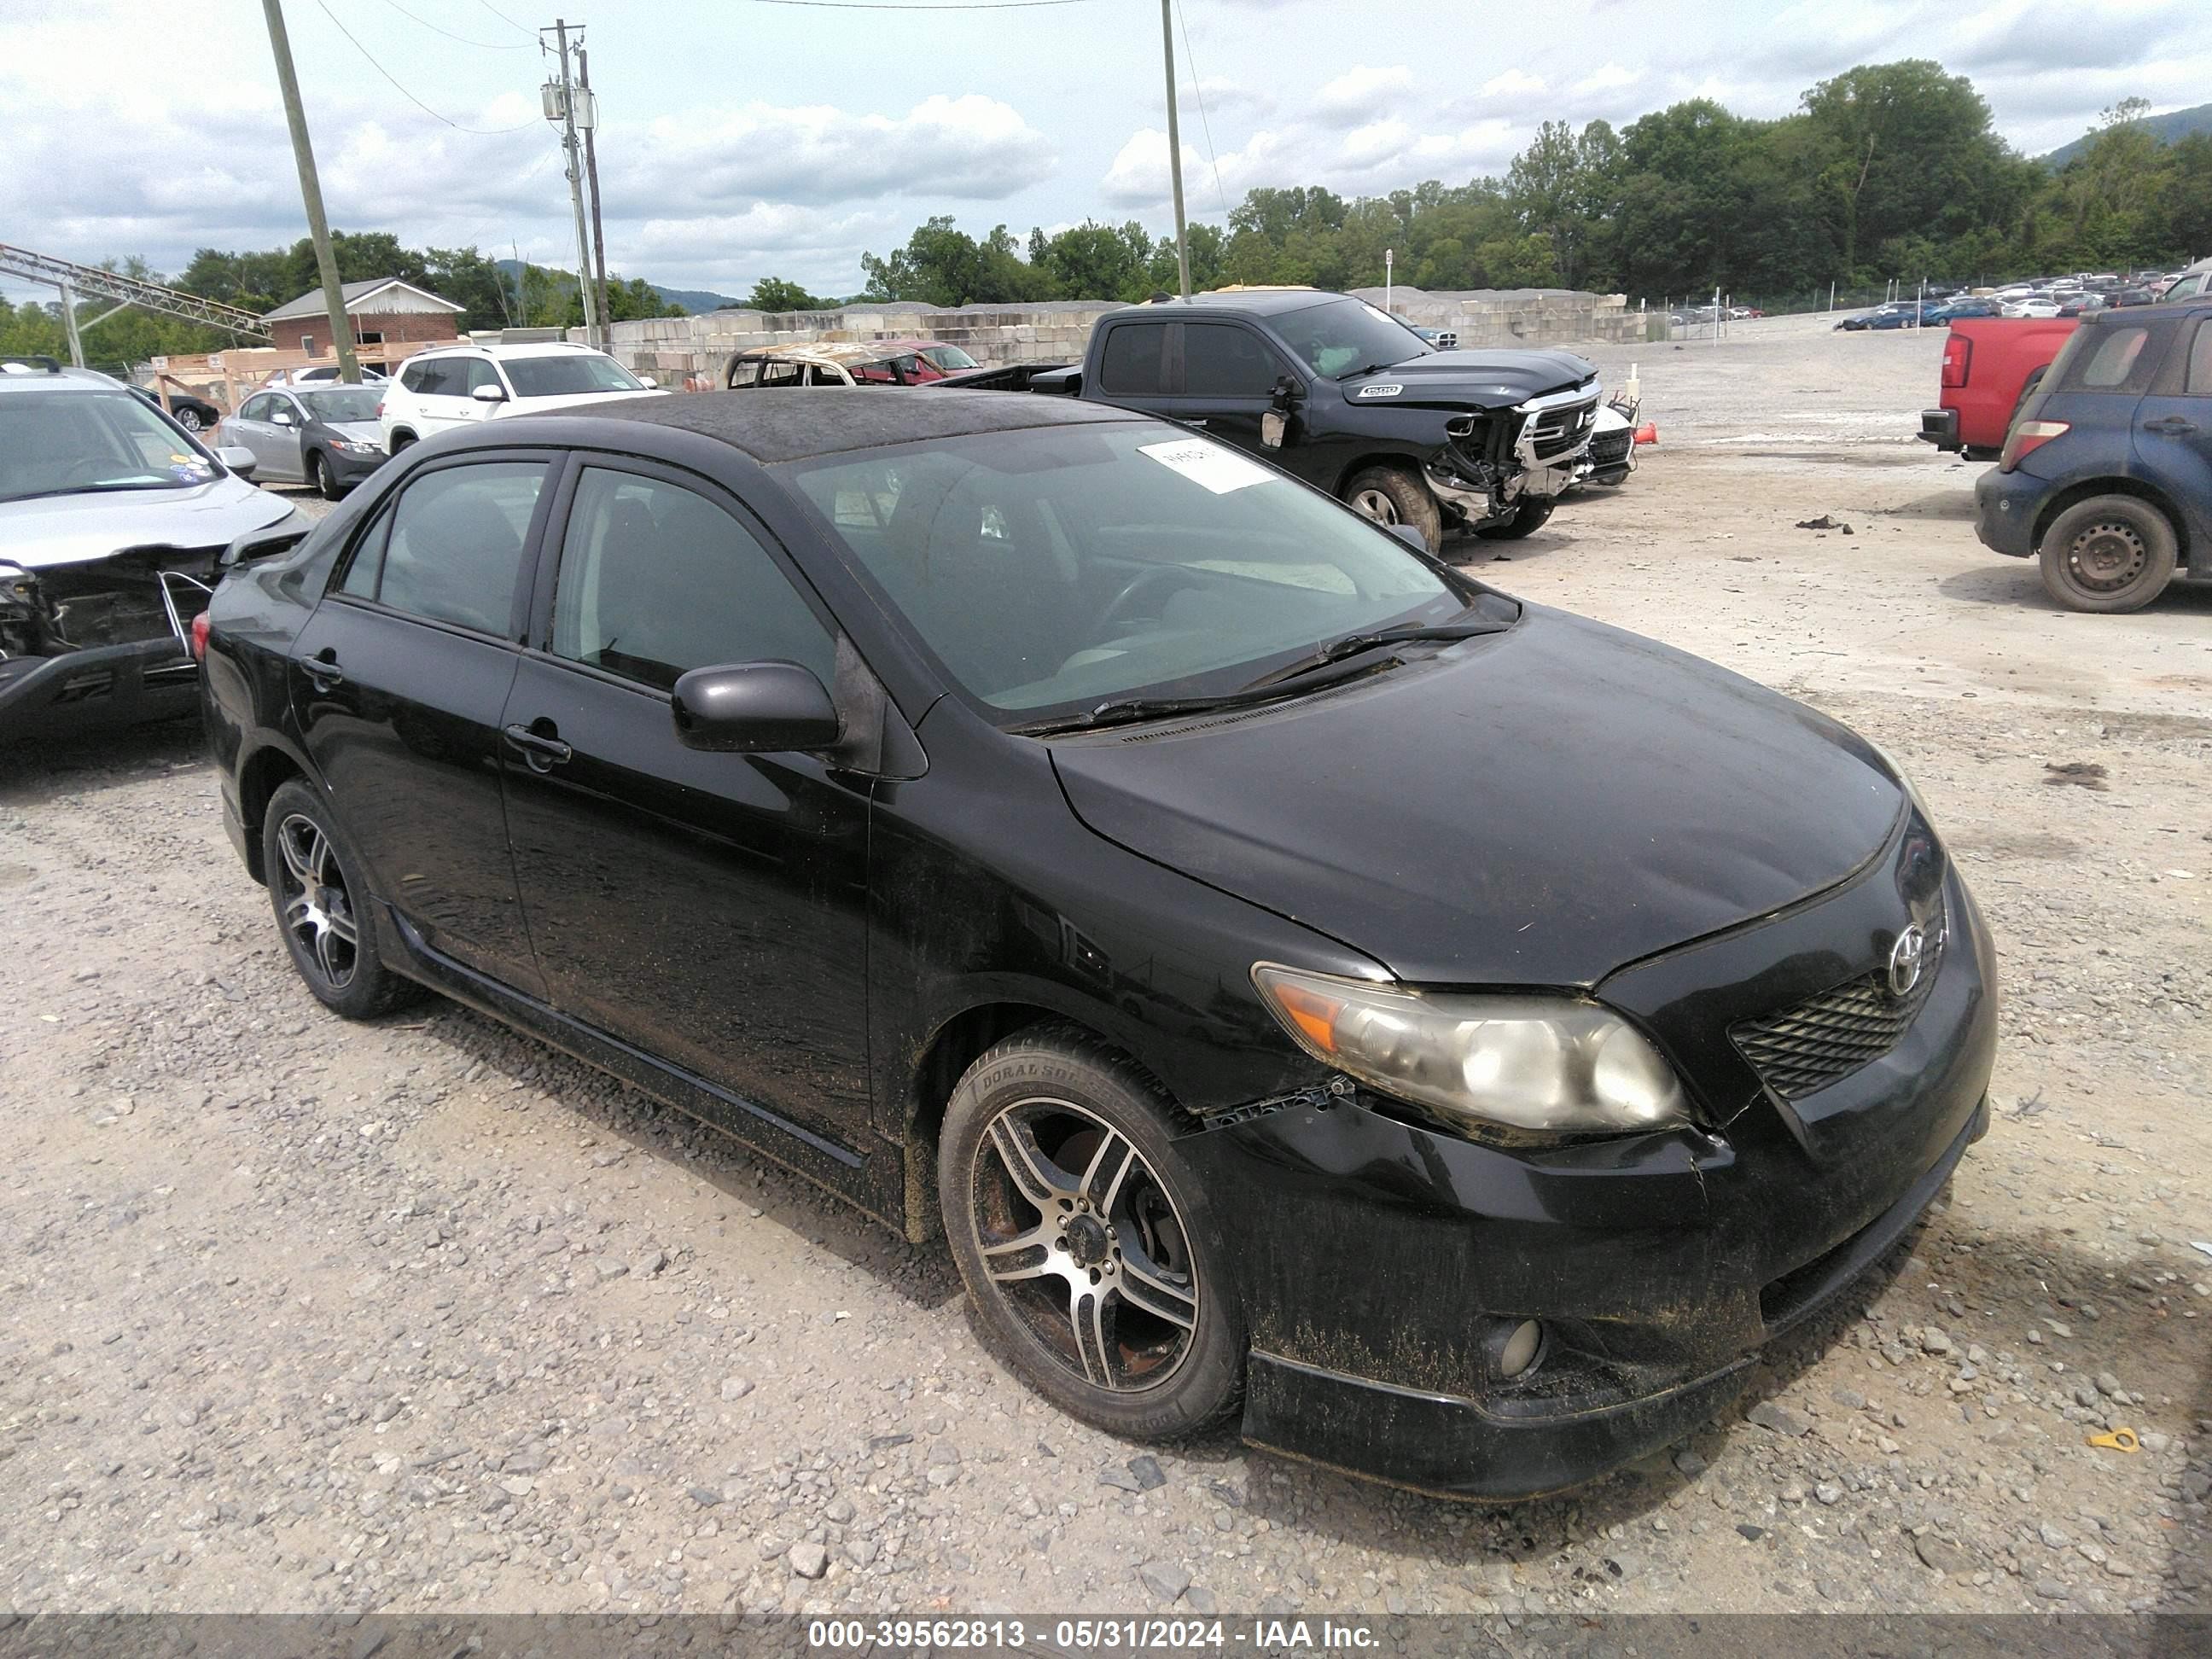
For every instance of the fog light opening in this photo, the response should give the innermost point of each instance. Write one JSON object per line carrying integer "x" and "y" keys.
{"x": 1515, "y": 1347}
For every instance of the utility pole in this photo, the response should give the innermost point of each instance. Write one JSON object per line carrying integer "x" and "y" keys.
{"x": 592, "y": 175}
{"x": 1174, "y": 146}
{"x": 563, "y": 93}
{"x": 311, "y": 192}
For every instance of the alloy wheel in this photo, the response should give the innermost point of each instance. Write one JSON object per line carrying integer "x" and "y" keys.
{"x": 318, "y": 909}
{"x": 189, "y": 419}
{"x": 1377, "y": 505}
{"x": 1083, "y": 1245}
{"x": 2107, "y": 556}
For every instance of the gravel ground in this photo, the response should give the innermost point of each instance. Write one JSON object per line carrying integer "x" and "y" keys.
{"x": 420, "y": 1316}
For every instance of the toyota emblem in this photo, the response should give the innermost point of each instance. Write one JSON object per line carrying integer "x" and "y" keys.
{"x": 1907, "y": 959}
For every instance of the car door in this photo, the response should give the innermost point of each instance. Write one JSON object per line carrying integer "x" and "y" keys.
{"x": 1227, "y": 383}
{"x": 398, "y": 682}
{"x": 251, "y": 427}
{"x": 2173, "y": 433}
{"x": 482, "y": 372}
{"x": 706, "y": 908}
{"x": 287, "y": 420}
{"x": 440, "y": 404}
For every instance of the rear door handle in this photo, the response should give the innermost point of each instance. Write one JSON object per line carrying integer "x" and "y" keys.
{"x": 542, "y": 752}
{"x": 323, "y": 669}
{"x": 2172, "y": 424}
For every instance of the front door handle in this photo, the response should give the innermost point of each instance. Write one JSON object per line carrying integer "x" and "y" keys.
{"x": 541, "y": 751}
{"x": 323, "y": 669}
{"x": 2170, "y": 423}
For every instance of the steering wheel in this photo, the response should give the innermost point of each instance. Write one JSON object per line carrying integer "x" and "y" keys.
{"x": 1169, "y": 577}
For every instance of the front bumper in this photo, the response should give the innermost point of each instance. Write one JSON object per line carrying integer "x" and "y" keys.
{"x": 110, "y": 686}
{"x": 2006, "y": 505}
{"x": 1940, "y": 427}
{"x": 351, "y": 469}
{"x": 1374, "y": 1253}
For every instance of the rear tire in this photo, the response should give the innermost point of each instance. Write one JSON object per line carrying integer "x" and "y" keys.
{"x": 2109, "y": 554}
{"x": 1390, "y": 494}
{"x": 1091, "y": 1256}
{"x": 324, "y": 911}
{"x": 1528, "y": 518}
{"x": 188, "y": 418}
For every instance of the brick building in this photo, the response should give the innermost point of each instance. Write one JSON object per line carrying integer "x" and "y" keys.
{"x": 382, "y": 311}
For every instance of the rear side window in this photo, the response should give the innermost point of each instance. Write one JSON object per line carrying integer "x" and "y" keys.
{"x": 656, "y": 580}
{"x": 2197, "y": 382}
{"x": 2109, "y": 360}
{"x": 1136, "y": 360}
{"x": 451, "y": 547}
{"x": 418, "y": 375}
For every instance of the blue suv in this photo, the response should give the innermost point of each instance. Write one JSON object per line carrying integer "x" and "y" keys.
{"x": 2106, "y": 472}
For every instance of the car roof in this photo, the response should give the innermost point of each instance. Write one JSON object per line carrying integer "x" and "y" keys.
{"x": 829, "y": 419}
{"x": 1255, "y": 301}
{"x": 538, "y": 349}
{"x": 19, "y": 374}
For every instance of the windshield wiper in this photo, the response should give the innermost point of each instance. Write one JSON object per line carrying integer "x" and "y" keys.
{"x": 99, "y": 489}
{"x": 1352, "y": 645}
{"x": 1122, "y": 711}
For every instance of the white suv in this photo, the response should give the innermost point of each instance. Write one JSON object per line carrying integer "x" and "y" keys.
{"x": 460, "y": 385}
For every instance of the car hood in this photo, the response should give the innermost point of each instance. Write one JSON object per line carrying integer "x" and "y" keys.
{"x": 357, "y": 432}
{"x": 574, "y": 399}
{"x": 1477, "y": 380}
{"x": 57, "y": 530}
{"x": 1538, "y": 807}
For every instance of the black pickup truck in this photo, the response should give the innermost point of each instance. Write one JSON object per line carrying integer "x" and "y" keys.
{"x": 1348, "y": 398}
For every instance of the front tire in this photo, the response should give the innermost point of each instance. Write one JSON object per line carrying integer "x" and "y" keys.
{"x": 1087, "y": 1245}
{"x": 1390, "y": 494}
{"x": 401, "y": 440}
{"x": 322, "y": 480}
{"x": 1528, "y": 518}
{"x": 324, "y": 911}
{"x": 2109, "y": 554}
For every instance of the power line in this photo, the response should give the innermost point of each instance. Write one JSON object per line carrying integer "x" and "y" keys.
{"x": 481, "y": 132}
{"x": 1198, "y": 91}
{"x": 504, "y": 18}
{"x": 489, "y": 45}
{"x": 921, "y": 5}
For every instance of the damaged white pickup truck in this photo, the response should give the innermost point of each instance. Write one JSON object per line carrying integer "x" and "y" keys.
{"x": 113, "y": 522}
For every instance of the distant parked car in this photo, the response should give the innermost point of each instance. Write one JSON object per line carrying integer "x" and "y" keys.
{"x": 2104, "y": 476}
{"x": 451, "y": 387}
{"x": 2040, "y": 305}
{"x": 2130, "y": 296}
{"x": 193, "y": 413}
{"x": 1951, "y": 310}
{"x": 2074, "y": 304}
{"x": 321, "y": 374}
{"x": 1896, "y": 314}
{"x": 326, "y": 436}
{"x": 2190, "y": 283}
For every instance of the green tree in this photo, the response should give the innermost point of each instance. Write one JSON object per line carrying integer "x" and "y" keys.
{"x": 774, "y": 294}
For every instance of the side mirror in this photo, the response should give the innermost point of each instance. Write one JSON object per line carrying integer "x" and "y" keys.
{"x": 490, "y": 394}
{"x": 239, "y": 459}
{"x": 754, "y": 709}
{"x": 281, "y": 418}
{"x": 1411, "y": 537}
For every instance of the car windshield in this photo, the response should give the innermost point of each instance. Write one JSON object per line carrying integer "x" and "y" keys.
{"x": 1060, "y": 569}
{"x": 1343, "y": 336}
{"x": 567, "y": 374}
{"x": 71, "y": 443}
{"x": 350, "y": 403}
{"x": 951, "y": 359}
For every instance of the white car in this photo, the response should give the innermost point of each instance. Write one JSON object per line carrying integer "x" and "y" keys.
{"x": 2036, "y": 307}
{"x": 461, "y": 386}
{"x": 321, "y": 374}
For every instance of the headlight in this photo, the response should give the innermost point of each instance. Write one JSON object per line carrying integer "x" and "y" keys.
{"x": 1522, "y": 1062}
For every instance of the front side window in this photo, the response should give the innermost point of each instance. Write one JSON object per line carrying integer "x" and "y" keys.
{"x": 481, "y": 372}
{"x": 257, "y": 409}
{"x": 1057, "y": 568}
{"x": 951, "y": 359}
{"x": 567, "y": 374}
{"x": 451, "y": 549}
{"x": 1221, "y": 360}
{"x": 655, "y": 581}
{"x": 341, "y": 404}
{"x": 1342, "y": 337}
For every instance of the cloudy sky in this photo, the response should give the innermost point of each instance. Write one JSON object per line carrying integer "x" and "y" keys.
{"x": 742, "y": 138}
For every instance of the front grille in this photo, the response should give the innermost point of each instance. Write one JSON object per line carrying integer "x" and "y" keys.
{"x": 1558, "y": 432}
{"x": 1611, "y": 448}
{"x": 1828, "y": 1037}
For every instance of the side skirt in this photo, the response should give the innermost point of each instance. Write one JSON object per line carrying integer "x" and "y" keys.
{"x": 873, "y": 1181}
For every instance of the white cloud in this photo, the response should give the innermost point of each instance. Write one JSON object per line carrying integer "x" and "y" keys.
{"x": 1609, "y": 78}
{"x": 1360, "y": 93}
{"x": 1514, "y": 83}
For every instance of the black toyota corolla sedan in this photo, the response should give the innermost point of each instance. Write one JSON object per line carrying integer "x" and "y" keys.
{"x": 1305, "y": 986}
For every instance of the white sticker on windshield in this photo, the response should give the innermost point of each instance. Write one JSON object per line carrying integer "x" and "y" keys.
{"x": 1217, "y": 468}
